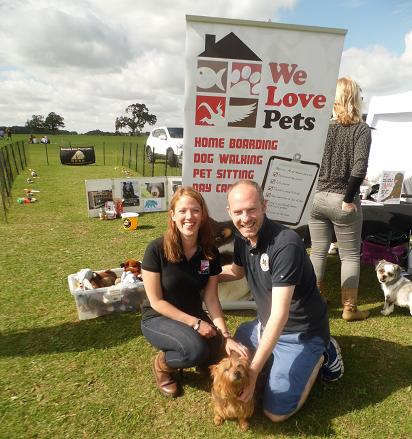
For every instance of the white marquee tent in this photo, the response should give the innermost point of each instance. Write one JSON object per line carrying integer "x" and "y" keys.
{"x": 391, "y": 150}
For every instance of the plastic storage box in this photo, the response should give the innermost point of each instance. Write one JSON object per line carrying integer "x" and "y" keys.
{"x": 101, "y": 301}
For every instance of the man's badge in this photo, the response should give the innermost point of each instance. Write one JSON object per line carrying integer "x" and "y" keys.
{"x": 264, "y": 262}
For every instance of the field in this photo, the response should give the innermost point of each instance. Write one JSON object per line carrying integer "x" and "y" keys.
{"x": 123, "y": 151}
{"x": 65, "y": 378}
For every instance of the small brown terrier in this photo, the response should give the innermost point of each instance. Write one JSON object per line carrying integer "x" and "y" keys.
{"x": 229, "y": 378}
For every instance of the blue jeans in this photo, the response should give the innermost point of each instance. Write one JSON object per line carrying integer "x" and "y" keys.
{"x": 293, "y": 359}
{"x": 183, "y": 346}
{"x": 327, "y": 216}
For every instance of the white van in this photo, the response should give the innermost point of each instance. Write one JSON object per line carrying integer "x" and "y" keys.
{"x": 165, "y": 143}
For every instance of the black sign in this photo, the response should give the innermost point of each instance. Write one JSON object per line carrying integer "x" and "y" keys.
{"x": 83, "y": 155}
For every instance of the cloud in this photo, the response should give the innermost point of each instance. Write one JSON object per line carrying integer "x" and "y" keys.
{"x": 378, "y": 71}
{"x": 88, "y": 60}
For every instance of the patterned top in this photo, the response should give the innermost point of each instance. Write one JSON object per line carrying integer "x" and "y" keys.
{"x": 346, "y": 154}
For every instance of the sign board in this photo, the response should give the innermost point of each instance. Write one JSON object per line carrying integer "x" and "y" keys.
{"x": 390, "y": 187}
{"x": 257, "y": 96}
{"x": 82, "y": 155}
{"x": 136, "y": 194}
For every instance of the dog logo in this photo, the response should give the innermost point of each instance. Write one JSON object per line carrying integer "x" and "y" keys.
{"x": 204, "y": 266}
{"x": 264, "y": 262}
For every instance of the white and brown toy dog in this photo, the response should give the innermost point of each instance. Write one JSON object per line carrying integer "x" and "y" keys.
{"x": 396, "y": 288}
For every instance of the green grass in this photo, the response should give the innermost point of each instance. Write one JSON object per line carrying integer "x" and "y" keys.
{"x": 64, "y": 378}
{"x": 109, "y": 151}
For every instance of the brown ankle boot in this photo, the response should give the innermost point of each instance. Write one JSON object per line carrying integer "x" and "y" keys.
{"x": 350, "y": 310}
{"x": 167, "y": 385}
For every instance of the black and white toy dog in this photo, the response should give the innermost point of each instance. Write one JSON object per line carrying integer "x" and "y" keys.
{"x": 396, "y": 288}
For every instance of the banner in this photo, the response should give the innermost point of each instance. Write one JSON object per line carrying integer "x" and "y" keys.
{"x": 258, "y": 100}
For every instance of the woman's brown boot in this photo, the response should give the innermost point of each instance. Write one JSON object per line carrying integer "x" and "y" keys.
{"x": 349, "y": 302}
{"x": 167, "y": 385}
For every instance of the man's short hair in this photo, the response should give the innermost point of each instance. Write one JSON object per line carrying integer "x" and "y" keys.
{"x": 248, "y": 183}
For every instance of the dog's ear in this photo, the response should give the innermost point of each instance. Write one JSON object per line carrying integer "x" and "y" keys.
{"x": 379, "y": 263}
{"x": 397, "y": 269}
{"x": 212, "y": 369}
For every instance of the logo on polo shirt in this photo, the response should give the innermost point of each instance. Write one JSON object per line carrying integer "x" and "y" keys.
{"x": 264, "y": 262}
{"x": 204, "y": 267}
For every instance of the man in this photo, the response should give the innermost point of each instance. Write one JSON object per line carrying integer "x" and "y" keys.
{"x": 292, "y": 327}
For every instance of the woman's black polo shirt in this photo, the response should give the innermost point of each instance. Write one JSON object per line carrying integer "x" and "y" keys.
{"x": 182, "y": 282}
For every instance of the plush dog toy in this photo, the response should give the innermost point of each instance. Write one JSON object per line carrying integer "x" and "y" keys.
{"x": 131, "y": 272}
{"x": 90, "y": 280}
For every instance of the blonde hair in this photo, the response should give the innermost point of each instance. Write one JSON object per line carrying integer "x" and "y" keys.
{"x": 347, "y": 109}
{"x": 172, "y": 242}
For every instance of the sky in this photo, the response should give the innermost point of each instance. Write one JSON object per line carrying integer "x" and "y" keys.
{"x": 87, "y": 60}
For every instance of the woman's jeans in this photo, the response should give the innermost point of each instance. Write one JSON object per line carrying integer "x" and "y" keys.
{"x": 183, "y": 346}
{"x": 327, "y": 216}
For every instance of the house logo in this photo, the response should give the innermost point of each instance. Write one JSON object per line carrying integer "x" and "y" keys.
{"x": 227, "y": 83}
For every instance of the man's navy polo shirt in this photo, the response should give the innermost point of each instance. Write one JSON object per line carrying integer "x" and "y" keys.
{"x": 280, "y": 259}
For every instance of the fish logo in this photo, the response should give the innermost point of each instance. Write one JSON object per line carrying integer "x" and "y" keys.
{"x": 207, "y": 78}
{"x": 211, "y": 76}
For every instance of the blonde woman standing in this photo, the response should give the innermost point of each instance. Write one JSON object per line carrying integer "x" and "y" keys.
{"x": 336, "y": 207}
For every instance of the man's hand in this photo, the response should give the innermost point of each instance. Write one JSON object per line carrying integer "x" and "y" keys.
{"x": 249, "y": 390}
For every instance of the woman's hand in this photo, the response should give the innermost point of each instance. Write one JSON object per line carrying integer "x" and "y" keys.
{"x": 206, "y": 330}
{"x": 234, "y": 346}
{"x": 349, "y": 207}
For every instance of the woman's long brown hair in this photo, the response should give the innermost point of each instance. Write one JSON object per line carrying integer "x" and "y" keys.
{"x": 172, "y": 243}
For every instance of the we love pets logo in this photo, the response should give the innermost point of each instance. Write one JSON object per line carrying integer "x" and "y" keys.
{"x": 228, "y": 92}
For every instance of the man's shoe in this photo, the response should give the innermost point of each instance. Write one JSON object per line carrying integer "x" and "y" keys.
{"x": 332, "y": 369}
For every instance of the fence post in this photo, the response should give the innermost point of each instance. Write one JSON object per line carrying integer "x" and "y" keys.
{"x": 3, "y": 189}
{"x": 24, "y": 153}
{"x": 47, "y": 153}
{"x": 5, "y": 173}
{"x": 104, "y": 153}
{"x": 18, "y": 149}
{"x": 137, "y": 147}
{"x": 7, "y": 166}
{"x": 144, "y": 161}
{"x": 14, "y": 158}
{"x": 130, "y": 155}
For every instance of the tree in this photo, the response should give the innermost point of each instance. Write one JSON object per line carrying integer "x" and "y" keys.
{"x": 36, "y": 123}
{"x": 53, "y": 122}
{"x": 136, "y": 118}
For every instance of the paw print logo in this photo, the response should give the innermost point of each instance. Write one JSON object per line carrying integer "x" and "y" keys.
{"x": 245, "y": 80}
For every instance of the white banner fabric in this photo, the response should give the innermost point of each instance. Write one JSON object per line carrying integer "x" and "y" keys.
{"x": 258, "y": 100}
